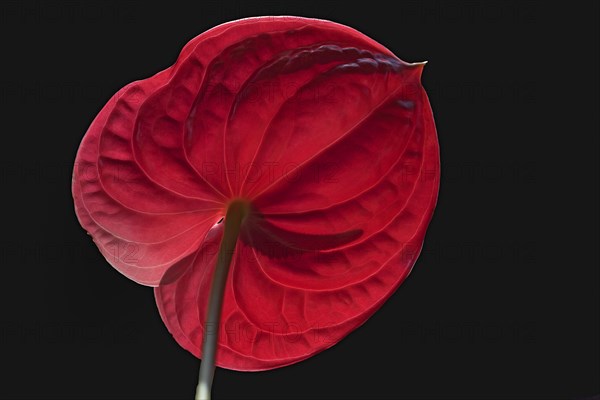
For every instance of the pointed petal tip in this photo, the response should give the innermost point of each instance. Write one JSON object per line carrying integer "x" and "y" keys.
{"x": 419, "y": 65}
{"x": 418, "y": 68}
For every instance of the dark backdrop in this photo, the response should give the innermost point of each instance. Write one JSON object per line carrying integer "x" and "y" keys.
{"x": 502, "y": 303}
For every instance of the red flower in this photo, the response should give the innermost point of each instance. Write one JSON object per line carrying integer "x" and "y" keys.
{"x": 322, "y": 133}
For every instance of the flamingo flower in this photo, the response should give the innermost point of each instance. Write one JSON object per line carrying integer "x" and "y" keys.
{"x": 274, "y": 186}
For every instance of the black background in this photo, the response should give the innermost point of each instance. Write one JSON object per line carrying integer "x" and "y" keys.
{"x": 502, "y": 303}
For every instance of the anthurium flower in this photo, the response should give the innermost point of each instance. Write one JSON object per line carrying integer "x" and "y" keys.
{"x": 294, "y": 160}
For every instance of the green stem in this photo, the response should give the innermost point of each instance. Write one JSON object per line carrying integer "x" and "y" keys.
{"x": 236, "y": 213}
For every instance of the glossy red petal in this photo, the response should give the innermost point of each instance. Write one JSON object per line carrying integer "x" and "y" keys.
{"x": 328, "y": 135}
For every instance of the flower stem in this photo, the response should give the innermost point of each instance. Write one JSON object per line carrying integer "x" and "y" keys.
{"x": 236, "y": 213}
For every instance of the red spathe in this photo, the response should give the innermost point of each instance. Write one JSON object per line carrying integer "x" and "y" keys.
{"x": 328, "y": 135}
